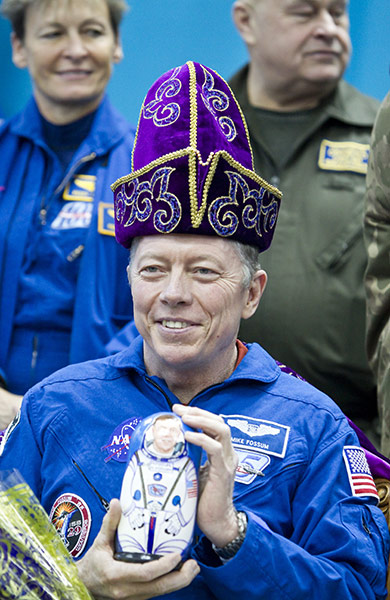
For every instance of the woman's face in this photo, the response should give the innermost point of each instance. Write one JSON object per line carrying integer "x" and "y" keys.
{"x": 69, "y": 48}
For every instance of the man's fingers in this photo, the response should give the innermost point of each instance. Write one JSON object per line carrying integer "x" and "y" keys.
{"x": 111, "y": 521}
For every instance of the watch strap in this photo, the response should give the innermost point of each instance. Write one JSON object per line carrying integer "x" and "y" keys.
{"x": 233, "y": 547}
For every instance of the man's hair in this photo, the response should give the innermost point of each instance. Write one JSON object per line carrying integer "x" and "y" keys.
{"x": 248, "y": 255}
{"x": 15, "y": 10}
{"x": 166, "y": 418}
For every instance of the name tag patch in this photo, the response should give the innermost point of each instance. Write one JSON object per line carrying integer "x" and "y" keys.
{"x": 106, "y": 218}
{"x": 73, "y": 215}
{"x": 80, "y": 187}
{"x": 258, "y": 435}
{"x": 343, "y": 156}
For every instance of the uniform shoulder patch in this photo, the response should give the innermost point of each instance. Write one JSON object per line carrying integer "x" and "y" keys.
{"x": 343, "y": 156}
{"x": 359, "y": 474}
{"x": 71, "y": 517}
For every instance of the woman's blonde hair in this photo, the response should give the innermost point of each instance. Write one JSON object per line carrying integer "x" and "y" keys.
{"x": 15, "y": 10}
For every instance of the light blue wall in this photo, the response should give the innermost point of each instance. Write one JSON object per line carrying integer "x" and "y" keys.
{"x": 160, "y": 34}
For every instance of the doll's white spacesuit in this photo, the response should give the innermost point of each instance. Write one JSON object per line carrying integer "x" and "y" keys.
{"x": 159, "y": 492}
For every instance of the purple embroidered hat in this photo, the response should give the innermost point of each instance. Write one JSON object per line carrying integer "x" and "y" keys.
{"x": 192, "y": 166}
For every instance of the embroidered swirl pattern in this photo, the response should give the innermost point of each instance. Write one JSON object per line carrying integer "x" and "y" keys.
{"x": 254, "y": 214}
{"x": 216, "y": 100}
{"x": 161, "y": 114}
{"x": 135, "y": 203}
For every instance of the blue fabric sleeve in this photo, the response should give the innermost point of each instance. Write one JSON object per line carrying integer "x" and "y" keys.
{"x": 20, "y": 448}
{"x": 338, "y": 547}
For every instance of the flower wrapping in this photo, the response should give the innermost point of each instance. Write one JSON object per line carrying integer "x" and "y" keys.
{"x": 34, "y": 562}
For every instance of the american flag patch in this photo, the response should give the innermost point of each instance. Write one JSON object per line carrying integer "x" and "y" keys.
{"x": 359, "y": 474}
{"x": 192, "y": 488}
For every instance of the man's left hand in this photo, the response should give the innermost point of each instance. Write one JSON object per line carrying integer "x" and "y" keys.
{"x": 216, "y": 515}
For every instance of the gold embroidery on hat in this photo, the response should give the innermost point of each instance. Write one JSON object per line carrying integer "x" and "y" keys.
{"x": 211, "y": 158}
{"x": 196, "y": 215}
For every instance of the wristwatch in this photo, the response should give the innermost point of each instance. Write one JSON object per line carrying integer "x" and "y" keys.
{"x": 233, "y": 547}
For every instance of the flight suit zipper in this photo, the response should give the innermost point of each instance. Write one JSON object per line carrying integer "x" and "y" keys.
{"x": 103, "y": 501}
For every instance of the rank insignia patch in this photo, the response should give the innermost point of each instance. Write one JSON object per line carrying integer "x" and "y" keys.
{"x": 80, "y": 188}
{"x": 106, "y": 218}
{"x": 343, "y": 156}
{"x": 71, "y": 517}
{"x": 359, "y": 474}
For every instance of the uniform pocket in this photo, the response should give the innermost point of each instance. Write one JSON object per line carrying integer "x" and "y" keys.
{"x": 336, "y": 253}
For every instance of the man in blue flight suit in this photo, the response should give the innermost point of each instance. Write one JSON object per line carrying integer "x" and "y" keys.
{"x": 287, "y": 507}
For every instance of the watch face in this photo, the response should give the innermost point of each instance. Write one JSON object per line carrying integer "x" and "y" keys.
{"x": 159, "y": 491}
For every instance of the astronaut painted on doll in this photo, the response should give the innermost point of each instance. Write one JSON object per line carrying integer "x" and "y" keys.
{"x": 159, "y": 492}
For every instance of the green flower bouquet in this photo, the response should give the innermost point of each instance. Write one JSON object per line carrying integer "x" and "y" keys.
{"x": 34, "y": 562}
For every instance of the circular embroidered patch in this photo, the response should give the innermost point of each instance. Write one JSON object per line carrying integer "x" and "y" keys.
{"x": 71, "y": 517}
{"x": 117, "y": 446}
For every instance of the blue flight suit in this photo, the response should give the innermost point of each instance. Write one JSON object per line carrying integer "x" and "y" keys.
{"x": 311, "y": 533}
{"x": 89, "y": 265}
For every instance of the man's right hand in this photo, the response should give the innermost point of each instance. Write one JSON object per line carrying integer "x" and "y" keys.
{"x": 9, "y": 406}
{"x": 107, "y": 578}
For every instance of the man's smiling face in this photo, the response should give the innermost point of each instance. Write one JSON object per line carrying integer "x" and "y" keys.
{"x": 188, "y": 301}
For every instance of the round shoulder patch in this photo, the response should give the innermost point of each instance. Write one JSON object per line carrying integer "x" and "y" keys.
{"x": 71, "y": 517}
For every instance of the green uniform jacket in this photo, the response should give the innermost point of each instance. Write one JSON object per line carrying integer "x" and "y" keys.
{"x": 377, "y": 235}
{"x": 312, "y": 314}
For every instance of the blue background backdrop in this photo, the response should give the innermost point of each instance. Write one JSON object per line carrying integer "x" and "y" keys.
{"x": 160, "y": 34}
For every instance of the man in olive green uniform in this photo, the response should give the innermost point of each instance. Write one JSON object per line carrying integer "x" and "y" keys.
{"x": 377, "y": 237}
{"x": 310, "y": 134}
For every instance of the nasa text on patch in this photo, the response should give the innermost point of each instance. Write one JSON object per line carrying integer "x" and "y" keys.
{"x": 117, "y": 447}
{"x": 343, "y": 156}
{"x": 359, "y": 474}
{"x": 258, "y": 435}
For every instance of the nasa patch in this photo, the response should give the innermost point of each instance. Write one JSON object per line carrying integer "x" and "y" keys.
{"x": 117, "y": 446}
{"x": 71, "y": 517}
